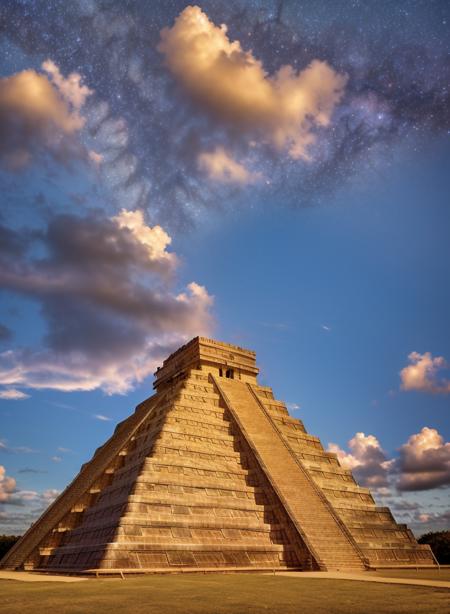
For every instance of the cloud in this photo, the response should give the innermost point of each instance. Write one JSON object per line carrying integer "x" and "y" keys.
{"x": 155, "y": 239}
{"x": 70, "y": 88}
{"x": 56, "y": 459}
{"x": 37, "y": 115}
{"x": 422, "y": 374}
{"x": 95, "y": 157}
{"x": 5, "y": 333}
{"x": 397, "y": 93}
{"x": 293, "y": 406}
{"x": 366, "y": 459}
{"x": 434, "y": 521}
{"x": 102, "y": 418}
{"x": 23, "y": 507}
{"x": 12, "y": 394}
{"x": 220, "y": 166}
{"x": 404, "y": 506}
{"x": 4, "y": 447}
{"x": 106, "y": 291}
{"x": 7, "y": 485}
{"x": 424, "y": 461}
{"x": 232, "y": 85}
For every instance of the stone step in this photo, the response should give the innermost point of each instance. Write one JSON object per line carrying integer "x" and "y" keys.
{"x": 308, "y": 509}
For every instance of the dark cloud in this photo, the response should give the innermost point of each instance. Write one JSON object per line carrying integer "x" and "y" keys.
{"x": 424, "y": 462}
{"x": 404, "y": 506}
{"x": 19, "y": 508}
{"x": 366, "y": 459}
{"x": 107, "y": 296}
{"x": 5, "y": 333}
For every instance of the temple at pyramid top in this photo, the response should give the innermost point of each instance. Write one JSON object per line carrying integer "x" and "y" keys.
{"x": 212, "y": 473}
{"x": 215, "y": 357}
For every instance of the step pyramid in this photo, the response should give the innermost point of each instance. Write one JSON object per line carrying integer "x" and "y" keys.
{"x": 211, "y": 473}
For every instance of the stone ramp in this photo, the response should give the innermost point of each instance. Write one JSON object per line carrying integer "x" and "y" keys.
{"x": 320, "y": 529}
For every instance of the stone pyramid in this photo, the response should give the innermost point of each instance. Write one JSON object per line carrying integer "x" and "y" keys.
{"x": 211, "y": 473}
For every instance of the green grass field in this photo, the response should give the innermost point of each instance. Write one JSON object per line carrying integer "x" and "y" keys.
{"x": 208, "y": 594}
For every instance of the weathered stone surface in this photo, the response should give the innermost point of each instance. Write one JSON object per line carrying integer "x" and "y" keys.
{"x": 212, "y": 473}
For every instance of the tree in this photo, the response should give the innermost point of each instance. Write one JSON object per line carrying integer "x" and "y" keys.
{"x": 440, "y": 544}
{"x": 7, "y": 542}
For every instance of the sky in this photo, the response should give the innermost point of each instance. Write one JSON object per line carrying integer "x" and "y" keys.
{"x": 270, "y": 174}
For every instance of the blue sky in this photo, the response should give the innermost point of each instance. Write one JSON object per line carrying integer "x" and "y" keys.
{"x": 332, "y": 263}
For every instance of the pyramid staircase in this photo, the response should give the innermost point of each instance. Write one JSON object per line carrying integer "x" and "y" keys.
{"x": 321, "y": 529}
{"x": 211, "y": 473}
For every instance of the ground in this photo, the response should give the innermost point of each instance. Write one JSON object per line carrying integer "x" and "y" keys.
{"x": 424, "y": 574}
{"x": 219, "y": 594}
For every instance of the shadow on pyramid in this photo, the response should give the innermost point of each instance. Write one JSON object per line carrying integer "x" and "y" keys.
{"x": 212, "y": 474}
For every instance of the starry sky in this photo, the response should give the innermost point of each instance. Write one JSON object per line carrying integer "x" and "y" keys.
{"x": 271, "y": 174}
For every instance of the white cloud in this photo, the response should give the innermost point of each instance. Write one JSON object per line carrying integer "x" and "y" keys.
{"x": 220, "y": 166}
{"x": 422, "y": 374}
{"x": 15, "y": 449}
{"x": 155, "y": 239}
{"x": 232, "y": 85}
{"x": 293, "y": 406}
{"x": 102, "y": 417}
{"x": 12, "y": 394}
{"x": 56, "y": 459}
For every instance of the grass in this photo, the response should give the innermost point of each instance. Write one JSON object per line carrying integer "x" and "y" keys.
{"x": 221, "y": 594}
{"x": 423, "y": 574}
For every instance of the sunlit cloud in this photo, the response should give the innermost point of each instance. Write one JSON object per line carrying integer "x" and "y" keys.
{"x": 232, "y": 85}
{"x": 220, "y": 166}
{"x": 71, "y": 88}
{"x": 12, "y": 394}
{"x": 422, "y": 374}
{"x": 155, "y": 239}
{"x": 39, "y": 114}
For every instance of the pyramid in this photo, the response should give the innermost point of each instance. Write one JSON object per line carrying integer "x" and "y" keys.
{"x": 211, "y": 473}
